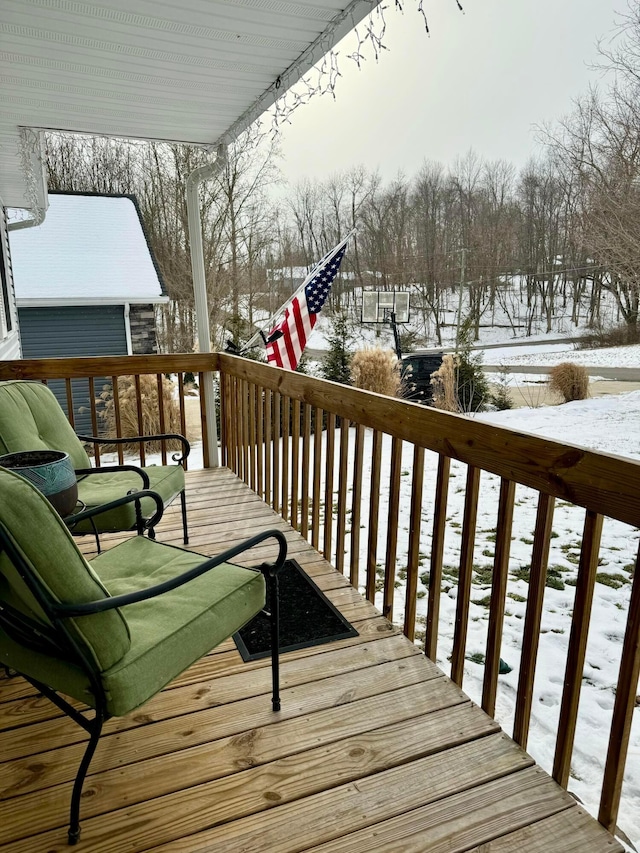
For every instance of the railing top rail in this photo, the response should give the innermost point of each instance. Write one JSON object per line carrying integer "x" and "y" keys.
{"x": 112, "y": 365}
{"x": 606, "y": 484}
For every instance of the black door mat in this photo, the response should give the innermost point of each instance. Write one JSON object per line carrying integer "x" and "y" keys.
{"x": 307, "y": 618}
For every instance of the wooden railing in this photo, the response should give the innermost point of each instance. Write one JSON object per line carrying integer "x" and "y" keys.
{"x": 84, "y": 377}
{"x": 269, "y": 437}
{"x": 303, "y": 444}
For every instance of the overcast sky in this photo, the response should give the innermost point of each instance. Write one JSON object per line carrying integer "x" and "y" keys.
{"x": 483, "y": 79}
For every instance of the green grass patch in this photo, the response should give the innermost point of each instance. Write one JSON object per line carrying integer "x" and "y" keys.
{"x": 484, "y": 575}
{"x": 516, "y": 597}
{"x": 615, "y": 581}
{"x": 522, "y": 574}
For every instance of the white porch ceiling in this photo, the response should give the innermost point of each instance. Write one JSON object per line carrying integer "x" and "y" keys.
{"x": 197, "y": 71}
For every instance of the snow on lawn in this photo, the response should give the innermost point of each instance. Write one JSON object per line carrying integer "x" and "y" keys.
{"x": 628, "y": 356}
{"x": 609, "y": 424}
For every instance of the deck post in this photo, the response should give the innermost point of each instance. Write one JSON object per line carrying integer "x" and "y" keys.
{"x": 194, "y": 180}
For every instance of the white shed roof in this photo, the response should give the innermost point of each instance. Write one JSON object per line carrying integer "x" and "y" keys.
{"x": 91, "y": 249}
{"x": 198, "y": 71}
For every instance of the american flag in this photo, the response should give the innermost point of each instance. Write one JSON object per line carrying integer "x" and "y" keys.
{"x": 287, "y": 340}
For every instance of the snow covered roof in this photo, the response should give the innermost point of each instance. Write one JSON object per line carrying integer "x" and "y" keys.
{"x": 91, "y": 249}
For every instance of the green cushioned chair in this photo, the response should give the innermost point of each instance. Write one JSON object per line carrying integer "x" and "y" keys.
{"x": 113, "y": 632}
{"x": 31, "y": 419}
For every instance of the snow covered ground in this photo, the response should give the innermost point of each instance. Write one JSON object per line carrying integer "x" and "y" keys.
{"x": 550, "y": 354}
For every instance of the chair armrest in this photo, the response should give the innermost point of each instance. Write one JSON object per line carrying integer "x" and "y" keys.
{"x": 71, "y": 520}
{"x": 186, "y": 447}
{"x": 86, "y": 472}
{"x": 104, "y": 604}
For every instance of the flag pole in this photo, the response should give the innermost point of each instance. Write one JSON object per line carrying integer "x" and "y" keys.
{"x": 272, "y": 320}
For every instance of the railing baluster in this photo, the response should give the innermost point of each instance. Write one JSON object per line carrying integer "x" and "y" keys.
{"x": 206, "y": 461}
{"x": 268, "y": 444}
{"x": 251, "y": 390}
{"x": 94, "y": 419}
{"x": 466, "y": 574}
{"x": 117, "y": 416}
{"x": 244, "y": 393}
{"x": 437, "y": 556}
{"x": 138, "y": 385}
{"x": 413, "y": 553}
{"x": 328, "y": 485}
{"x": 276, "y": 451}
{"x": 498, "y": 595}
{"x": 374, "y": 512}
{"x": 286, "y": 421}
{"x": 70, "y": 414}
{"x": 230, "y": 403}
{"x": 236, "y": 399}
{"x": 240, "y": 420}
{"x": 260, "y": 440}
{"x": 295, "y": 463}
{"x": 623, "y": 710}
{"x": 183, "y": 414}
{"x": 587, "y": 569}
{"x": 392, "y": 529}
{"x": 533, "y": 617}
{"x": 317, "y": 469}
{"x": 356, "y": 508}
{"x": 225, "y": 437}
{"x": 341, "y": 525}
{"x": 306, "y": 458}
{"x": 163, "y": 443}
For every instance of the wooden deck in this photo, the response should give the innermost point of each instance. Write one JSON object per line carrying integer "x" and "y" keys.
{"x": 374, "y": 749}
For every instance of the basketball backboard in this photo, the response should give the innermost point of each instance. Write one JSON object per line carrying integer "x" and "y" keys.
{"x": 379, "y": 305}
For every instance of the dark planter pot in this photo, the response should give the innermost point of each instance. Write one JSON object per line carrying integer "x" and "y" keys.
{"x": 50, "y": 471}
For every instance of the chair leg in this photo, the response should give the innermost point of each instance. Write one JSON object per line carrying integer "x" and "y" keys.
{"x": 74, "y": 815}
{"x": 95, "y": 533}
{"x": 183, "y": 503}
{"x": 274, "y": 608}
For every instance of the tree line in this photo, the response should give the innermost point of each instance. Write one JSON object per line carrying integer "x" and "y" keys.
{"x": 556, "y": 235}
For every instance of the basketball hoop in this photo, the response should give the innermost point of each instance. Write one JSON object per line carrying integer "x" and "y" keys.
{"x": 386, "y": 306}
{"x": 378, "y": 306}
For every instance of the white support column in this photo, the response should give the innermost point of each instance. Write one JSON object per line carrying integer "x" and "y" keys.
{"x": 127, "y": 327}
{"x": 200, "y": 291}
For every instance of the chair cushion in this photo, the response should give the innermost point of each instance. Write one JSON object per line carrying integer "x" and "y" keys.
{"x": 173, "y": 630}
{"x": 97, "y": 489}
{"x": 36, "y": 531}
{"x": 31, "y": 419}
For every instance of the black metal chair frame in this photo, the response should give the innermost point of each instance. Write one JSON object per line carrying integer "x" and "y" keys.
{"x": 39, "y": 638}
{"x": 178, "y": 458}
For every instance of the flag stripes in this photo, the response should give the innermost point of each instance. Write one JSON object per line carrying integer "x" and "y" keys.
{"x": 287, "y": 340}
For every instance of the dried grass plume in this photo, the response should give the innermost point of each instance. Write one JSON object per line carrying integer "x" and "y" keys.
{"x": 150, "y": 409}
{"x": 444, "y": 382}
{"x": 377, "y": 370}
{"x": 570, "y": 381}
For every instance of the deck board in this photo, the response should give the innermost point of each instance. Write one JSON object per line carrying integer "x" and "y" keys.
{"x": 374, "y": 749}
